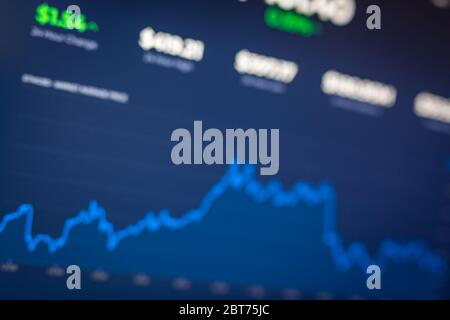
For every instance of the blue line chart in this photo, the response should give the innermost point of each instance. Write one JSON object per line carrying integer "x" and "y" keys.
{"x": 241, "y": 179}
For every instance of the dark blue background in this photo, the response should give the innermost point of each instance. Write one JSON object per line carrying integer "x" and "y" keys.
{"x": 59, "y": 151}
